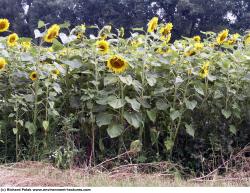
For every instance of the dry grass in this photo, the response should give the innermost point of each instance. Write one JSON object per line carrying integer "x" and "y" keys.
{"x": 30, "y": 174}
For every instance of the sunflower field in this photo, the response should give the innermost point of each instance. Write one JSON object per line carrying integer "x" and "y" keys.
{"x": 74, "y": 98}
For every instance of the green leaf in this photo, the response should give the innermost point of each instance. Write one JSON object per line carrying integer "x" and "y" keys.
{"x": 57, "y": 45}
{"x": 190, "y": 130}
{"x": 45, "y": 125}
{"x": 136, "y": 146}
{"x": 151, "y": 80}
{"x": 73, "y": 64}
{"x": 174, "y": 114}
{"x": 40, "y": 24}
{"x": 169, "y": 144}
{"x": 218, "y": 94}
{"x": 117, "y": 103}
{"x": 65, "y": 25}
{"x": 115, "y": 130}
{"x": 103, "y": 119}
{"x": 126, "y": 79}
{"x": 232, "y": 129}
{"x": 199, "y": 90}
{"x": 133, "y": 119}
{"x": 31, "y": 127}
{"x": 151, "y": 115}
{"x": 38, "y": 34}
{"x": 110, "y": 80}
{"x": 162, "y": 105}
{"x": 226, "y": 113}
{"x": 154, "y": 135}
{"x": 15, "y": 130}
{"x": 134, "y": 103}
{"x": 190, "y": 104}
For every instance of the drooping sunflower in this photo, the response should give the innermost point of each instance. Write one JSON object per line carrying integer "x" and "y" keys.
{"x": 12, "y": 39}
{"x": 4, "y": 25}
{"x": 2, "y": 63}
{"x": 55, "y": 72}
{"x": 102, "y": 46}
{"x": 152, "y": 24}
{"x": 33, "y": 75}
{"x": 166, "y": 30}
{"x": 52, "y": 33}
{"x": 204, "y": 70}
{"x": 221, "y": 38}
{"x": 117, "y": 64}
{"x": 197, "y": 38}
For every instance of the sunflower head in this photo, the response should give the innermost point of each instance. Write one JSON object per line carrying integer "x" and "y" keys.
{"x": 152, "y": 24}
{"x": 164, "y": 31}
{"x": 2, "y": 63}
{"x": 204, "y": 69}
{"x": 12, "y": 40}
{"x": 234, "y": 38}
{"x": 190, "y": 52}
{"x": 33, "y": 76}
{"x": 102, "y": 46}
{"x": 55, "y": 72}
{"x": 117, "y": 64}
{"x": 4, "y": 25}
{"x": 197, "y": 38}
{"x": 222, "y": 36}
{"x": 52, "y": 33}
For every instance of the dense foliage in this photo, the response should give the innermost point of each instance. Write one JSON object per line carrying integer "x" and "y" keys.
{"x": 188, "y": 16}
{"x": 77, "y": 99}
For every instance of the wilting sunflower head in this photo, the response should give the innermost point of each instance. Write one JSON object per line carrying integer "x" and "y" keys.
{"x": 4, "y": 25}
{"x": 204, "y": 69}
{"x": 117, "y": 64}
{"x": 164, "y": 31}
{"x": 55, "y": 72}
{"x": 2, "y": 63}
{"x": 12, "y": 39}
{"x": 152, "y": 24}
{"x": 52, "y": 33}
{"x": 26, "y": 45}
{"x": 33, "y": 76}
{"x": 102, "y": 46}
{"x": 197, "y": 38}
{"x": 221, "y": 38}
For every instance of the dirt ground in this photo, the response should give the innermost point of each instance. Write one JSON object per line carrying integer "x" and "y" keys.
{"x": 38, "y": 174}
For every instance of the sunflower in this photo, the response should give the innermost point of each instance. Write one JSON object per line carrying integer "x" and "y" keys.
{"x": 247, "y": 39}
{"x": 233, "y": 39}
{"x": 52, "y": 33}
{"x": 102, "y": 46}
{"x": 204, "y": 69}
{"x": 26, "y": 45}
{"x": 12, "y": 39}
{"x": 222, "y": 36}
{"x": 190, "y": 52}
{"x": 117, "y": 64}
{"x": 166, "y": 30}
{"x": 4, "y": 25}
{"x": 55, "y": 72}
{"x": 33, "y": 76}
{"x": 152, "y": 24}
{"x": 2, "y": 63}
{"x": 197, "y": 38}
{"x": 198, "y": 46}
